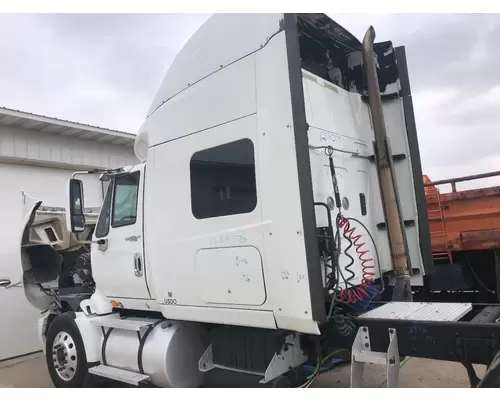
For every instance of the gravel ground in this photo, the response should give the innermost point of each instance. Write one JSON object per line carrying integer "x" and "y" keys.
{"x": 31, "y": 372}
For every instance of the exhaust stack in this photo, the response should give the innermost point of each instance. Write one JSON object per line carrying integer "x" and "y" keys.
{"x": 386, "y": 176}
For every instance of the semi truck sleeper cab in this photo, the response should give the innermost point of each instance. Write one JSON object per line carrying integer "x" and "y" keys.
{"x": 278, "y": 196}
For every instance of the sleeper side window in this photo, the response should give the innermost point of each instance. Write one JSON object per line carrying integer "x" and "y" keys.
{"x": 126, "y": 191}
{"x": 223, "y": 180}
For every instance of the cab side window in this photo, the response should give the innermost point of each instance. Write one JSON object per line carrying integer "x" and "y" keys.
{"x": 223, "y": 180}
{"x": 126, "y": 191}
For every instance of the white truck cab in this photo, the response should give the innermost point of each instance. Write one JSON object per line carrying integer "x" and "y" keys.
{"x": 259, "y": 214}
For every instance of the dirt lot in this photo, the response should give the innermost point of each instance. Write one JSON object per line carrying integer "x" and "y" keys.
{"x": 31, "y": 372}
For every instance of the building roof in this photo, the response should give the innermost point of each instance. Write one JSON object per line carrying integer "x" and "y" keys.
{"x": 21, "y": 119}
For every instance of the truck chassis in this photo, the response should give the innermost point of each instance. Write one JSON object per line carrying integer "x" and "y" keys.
{"x": 472, "y": 339}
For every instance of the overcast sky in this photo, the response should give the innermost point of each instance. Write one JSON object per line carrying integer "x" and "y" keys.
{"x": 105, "y": 69}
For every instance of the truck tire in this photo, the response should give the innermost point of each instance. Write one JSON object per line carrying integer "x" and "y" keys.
{"x": 65, "y": 354}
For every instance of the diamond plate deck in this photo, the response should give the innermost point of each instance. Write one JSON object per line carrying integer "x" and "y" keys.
{"x": 420, "y": 311}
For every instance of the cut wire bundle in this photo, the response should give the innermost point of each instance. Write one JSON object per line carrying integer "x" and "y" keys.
{"x": 317, "y": 370}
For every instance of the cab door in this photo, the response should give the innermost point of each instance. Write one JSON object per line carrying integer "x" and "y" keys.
{"x": 118, "y": 256}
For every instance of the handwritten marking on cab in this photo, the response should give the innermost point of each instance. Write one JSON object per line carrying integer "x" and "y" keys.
{"x": 241, "y": 260}
{"x": 331, "y": 138}
{"x": 224, "y": 240}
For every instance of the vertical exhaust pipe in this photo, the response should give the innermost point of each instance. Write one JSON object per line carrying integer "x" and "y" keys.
{"x": 383, "y": 159}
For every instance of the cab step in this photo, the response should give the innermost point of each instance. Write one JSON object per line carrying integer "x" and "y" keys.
{"x": 121, "y": 375}
{"x": 128, "y": 324}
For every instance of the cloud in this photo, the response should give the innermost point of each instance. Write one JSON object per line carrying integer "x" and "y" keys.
{"x": 104, "y": 69}
{"x": 101, "y": 69}
{"x": 453, "y": 64}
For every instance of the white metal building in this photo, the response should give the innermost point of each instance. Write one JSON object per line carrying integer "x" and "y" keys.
{"x": 38, "y": 155}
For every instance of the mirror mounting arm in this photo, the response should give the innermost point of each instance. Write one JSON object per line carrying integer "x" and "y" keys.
{"x": 7, "y": 284}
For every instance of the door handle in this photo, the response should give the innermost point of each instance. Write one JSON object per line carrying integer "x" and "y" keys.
{"x": 102, "y": 244}
{"x": 7, "y": 284}
{"x": 138, "y": 265}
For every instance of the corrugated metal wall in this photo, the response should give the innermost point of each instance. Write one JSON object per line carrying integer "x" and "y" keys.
{"x": 39, "y": 148}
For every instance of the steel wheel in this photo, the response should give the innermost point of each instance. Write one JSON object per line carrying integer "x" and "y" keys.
{"x": 64, "y": 356}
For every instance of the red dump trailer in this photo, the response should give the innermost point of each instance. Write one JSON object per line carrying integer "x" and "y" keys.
{"x": 465, "y": 235}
